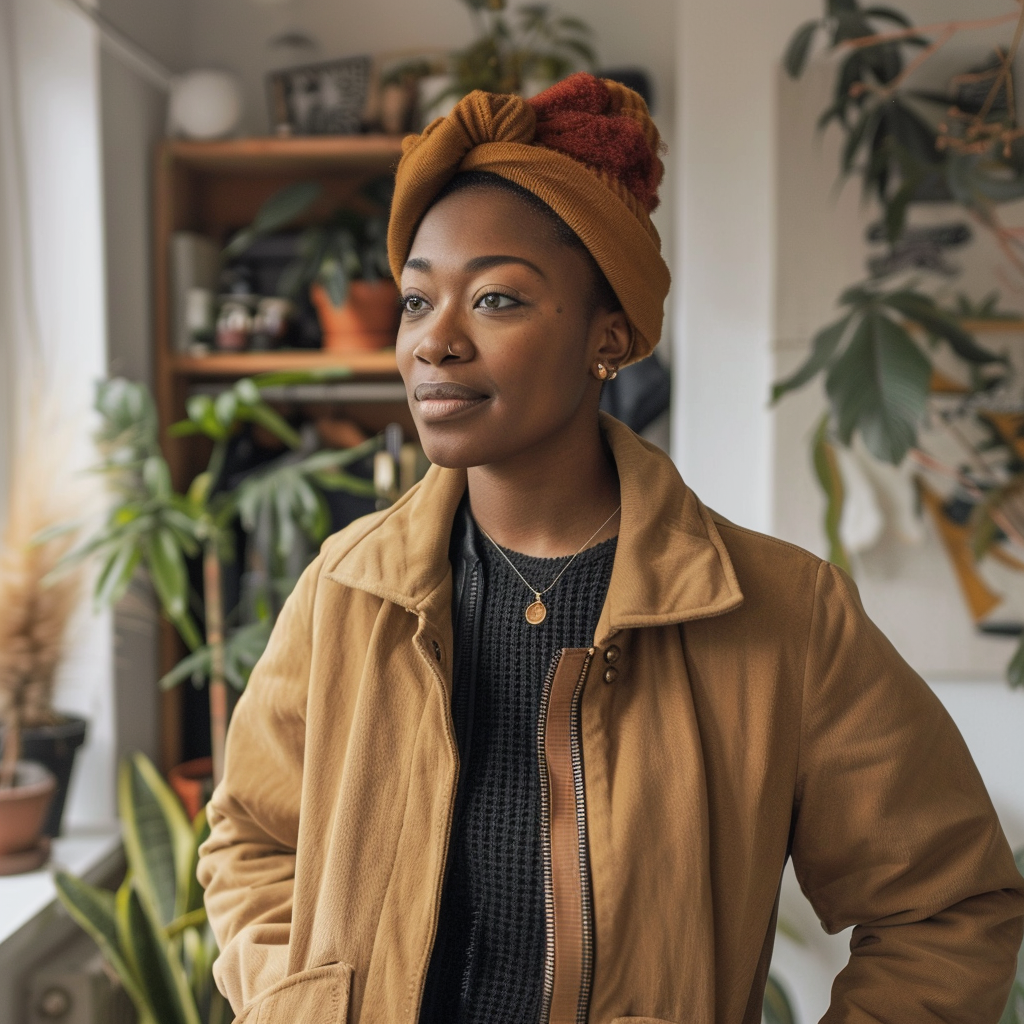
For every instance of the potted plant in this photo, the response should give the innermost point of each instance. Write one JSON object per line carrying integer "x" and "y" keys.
{"x": 39, "y": 743}
{"x": 524, "y": 52}
{"x": 907, "y": 382}
{"x": 151, "y": 525}
{"x": 342, "y": 263}
{"x": 153, "y": 932}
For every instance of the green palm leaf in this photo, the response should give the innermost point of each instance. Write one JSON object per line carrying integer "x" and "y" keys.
{"x": 879, "y": 387}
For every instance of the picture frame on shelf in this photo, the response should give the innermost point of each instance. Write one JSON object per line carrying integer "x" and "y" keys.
{"x": 327, "y": 98}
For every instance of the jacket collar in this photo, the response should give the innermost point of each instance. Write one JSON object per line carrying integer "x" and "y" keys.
{"x": 671, "y": 564}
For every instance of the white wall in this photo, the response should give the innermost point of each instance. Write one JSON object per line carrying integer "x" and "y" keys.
{"x": 58, "y": 93}
{"x": 728, "y": 52}
{"x": 133, "y": 122}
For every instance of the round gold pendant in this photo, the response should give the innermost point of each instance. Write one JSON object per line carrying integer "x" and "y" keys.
{"x": 536, "y": 613}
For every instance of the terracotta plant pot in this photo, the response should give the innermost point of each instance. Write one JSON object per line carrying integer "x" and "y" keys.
{"x": 193, "y": 782}
{"x": 55, "y": 747}
{"x": 367, "y": 321}
{"x": 23, "y": 808}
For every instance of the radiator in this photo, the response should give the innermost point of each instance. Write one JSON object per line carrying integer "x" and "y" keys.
{"x": 76, "y": 987}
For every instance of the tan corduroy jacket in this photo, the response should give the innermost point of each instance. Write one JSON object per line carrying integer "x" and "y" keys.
{"x": 737, "y": 707}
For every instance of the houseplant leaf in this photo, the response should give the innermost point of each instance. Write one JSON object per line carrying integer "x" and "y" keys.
{"x": 823, "y": 348}
{"x": 826, "y": 468}
{"x": 157, "y": 837}
{"x": 93, "y": 909}
{"x": 799, "y": 48}
{"x": 777, "y": 1008}
{"x": 167, "y": 567}
{"x": 277, "y": 212}
{"x": 879, "y": 387}
{"x": 159, "y": 966}
{"x": 923, "y": 310}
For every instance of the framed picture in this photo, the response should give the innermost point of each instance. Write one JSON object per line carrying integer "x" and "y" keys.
{"x": 330, "y": 98}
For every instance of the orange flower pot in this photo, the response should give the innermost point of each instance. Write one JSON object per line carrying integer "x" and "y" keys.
{"x": 367, "y": 321}
{"x": 193, "y": 782}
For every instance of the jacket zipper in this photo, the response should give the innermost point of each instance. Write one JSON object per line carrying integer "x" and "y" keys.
{"x": 587, "y": 924}
{"x": 545, "y": 845}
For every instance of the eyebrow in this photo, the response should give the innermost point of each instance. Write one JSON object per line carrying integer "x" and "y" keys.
{"x": 478, "y": 263}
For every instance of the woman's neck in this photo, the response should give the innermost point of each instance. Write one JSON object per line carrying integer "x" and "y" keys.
{"x": 548, "y": 501}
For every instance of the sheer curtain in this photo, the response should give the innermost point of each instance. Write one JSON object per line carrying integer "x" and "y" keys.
{"x": 52, "y": 305}
{"x": 18, "y": 333}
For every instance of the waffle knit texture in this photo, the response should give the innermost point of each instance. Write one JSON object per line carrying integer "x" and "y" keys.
{"x": 587, "y": 147}
{"x": 491, "y": 932}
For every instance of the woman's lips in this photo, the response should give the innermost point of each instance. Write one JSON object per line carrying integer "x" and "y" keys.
{"x": 440, "y": 400}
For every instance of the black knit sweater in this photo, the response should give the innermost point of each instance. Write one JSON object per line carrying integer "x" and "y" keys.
{"x": 488, "y": 958}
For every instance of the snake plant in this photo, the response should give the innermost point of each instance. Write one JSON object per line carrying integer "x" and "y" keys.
{"x": 153, "y": 932}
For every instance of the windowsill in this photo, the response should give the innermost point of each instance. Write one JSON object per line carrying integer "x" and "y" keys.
{"x": 28, "y": 899}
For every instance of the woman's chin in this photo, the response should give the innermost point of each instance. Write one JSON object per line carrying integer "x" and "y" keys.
{"x": 451, "y": 451}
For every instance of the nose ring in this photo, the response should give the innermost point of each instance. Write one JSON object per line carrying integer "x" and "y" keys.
{"x": 450, "y": 352}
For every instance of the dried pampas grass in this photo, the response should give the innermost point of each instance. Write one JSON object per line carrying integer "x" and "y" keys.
{"x": 35, "y": 611}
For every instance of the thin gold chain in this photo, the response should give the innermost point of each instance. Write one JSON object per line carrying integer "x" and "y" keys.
{"x": 532, "y": 588}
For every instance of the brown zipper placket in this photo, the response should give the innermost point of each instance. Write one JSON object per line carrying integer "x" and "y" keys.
{"x": 568, "y": 906}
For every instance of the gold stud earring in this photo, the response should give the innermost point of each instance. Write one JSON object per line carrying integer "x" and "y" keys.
{"x": 613, "y": 373}
{"x": 602, "y": 371}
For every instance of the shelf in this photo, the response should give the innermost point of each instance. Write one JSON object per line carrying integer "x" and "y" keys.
{"x": 270, "y": 153}
{"x": 244, "y": 364}
{"x": 993, "y": 326}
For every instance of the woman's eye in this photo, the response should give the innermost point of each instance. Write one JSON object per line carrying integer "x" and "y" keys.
{"x": 414, "y": 304}
{"x": 496, "y": 300}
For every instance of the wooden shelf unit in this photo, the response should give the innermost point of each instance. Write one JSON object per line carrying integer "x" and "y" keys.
{"x": 362, "y": 365}
{"x": 215, "y": 188}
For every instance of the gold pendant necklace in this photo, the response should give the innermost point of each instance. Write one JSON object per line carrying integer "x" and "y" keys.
{"x": 537, "y": 612}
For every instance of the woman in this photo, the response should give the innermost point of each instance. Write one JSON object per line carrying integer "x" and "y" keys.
{"x": 536, "y": 742}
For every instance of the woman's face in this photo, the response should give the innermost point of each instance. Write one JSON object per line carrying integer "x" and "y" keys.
{"x": 499, "y": 336}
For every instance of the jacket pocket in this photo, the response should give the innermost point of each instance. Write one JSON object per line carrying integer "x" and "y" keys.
{"x": 317, "y": 996}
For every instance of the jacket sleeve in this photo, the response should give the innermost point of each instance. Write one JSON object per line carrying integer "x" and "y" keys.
{"x": 247, "y": 866}
{"x": 895, "y": 835}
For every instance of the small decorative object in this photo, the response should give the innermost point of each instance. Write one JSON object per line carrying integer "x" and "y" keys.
{"x": 195, "y": 264}
{"x": 270, "y": 324}
{"x": 204, "y": 105}
{"x": 199, "y": 316}
{"x": 399, "y": 88}
{"x": 321, "y": 99}
{"x": 234, "y": 325}
{"x": 919, "y": 411}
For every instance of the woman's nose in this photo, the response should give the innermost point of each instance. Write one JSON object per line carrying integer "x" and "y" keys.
{"x": 443, "y": 339}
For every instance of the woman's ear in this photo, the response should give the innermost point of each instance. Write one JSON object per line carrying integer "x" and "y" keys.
{"x": 614, "y": 339}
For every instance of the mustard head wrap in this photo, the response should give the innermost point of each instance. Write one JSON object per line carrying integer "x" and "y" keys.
{"x": 587, "y": 147}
